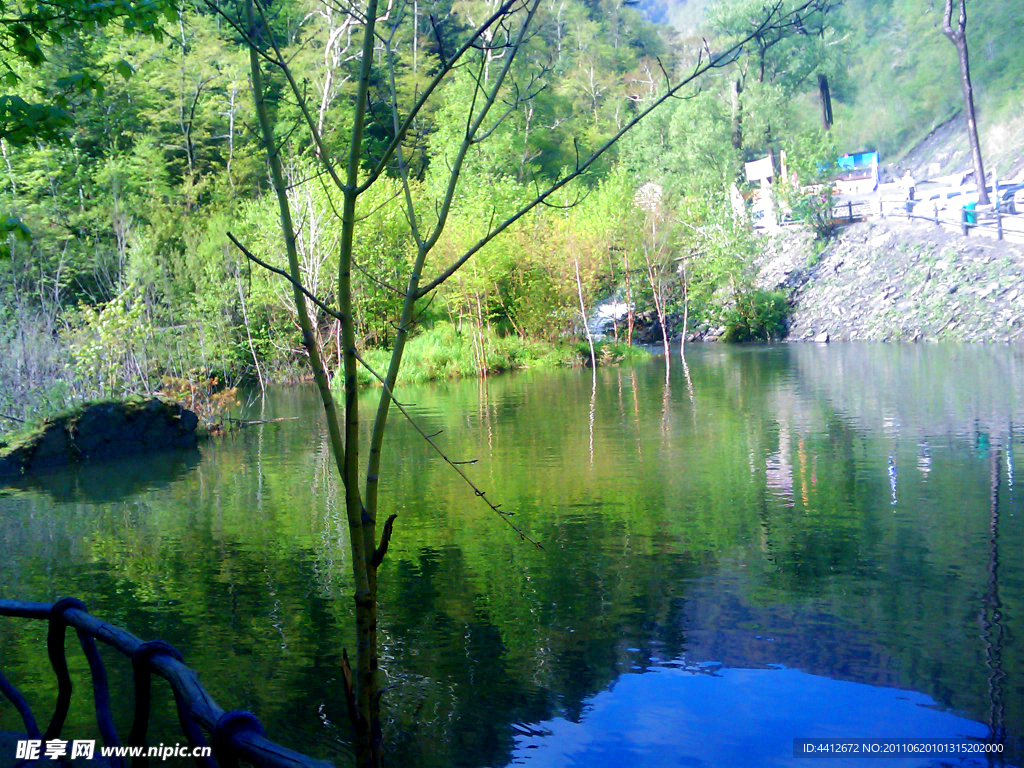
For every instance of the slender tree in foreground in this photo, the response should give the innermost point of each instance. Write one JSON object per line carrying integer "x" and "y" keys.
{"x": 488, "y": 54}
{"x": 958, "y": 36}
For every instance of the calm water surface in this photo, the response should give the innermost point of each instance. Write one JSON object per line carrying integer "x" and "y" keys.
{"x": 772, "y": 542}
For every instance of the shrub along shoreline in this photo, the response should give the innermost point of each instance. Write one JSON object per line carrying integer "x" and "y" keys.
{"x": 439, "y": 353}
{"x": 443, "y": 352}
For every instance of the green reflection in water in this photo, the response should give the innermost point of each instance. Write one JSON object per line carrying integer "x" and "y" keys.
{"x": 826, "y": 509}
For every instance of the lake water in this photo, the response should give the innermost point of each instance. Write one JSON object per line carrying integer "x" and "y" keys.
{"x": 770, "y": 543}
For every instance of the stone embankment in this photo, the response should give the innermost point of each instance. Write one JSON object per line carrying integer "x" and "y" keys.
{"x": 899, "y": 281}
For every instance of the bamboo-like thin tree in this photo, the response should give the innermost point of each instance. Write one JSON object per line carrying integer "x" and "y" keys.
{"x": 489, "y": 51}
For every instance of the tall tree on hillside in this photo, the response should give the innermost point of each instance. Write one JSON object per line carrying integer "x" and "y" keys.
{"x": 958, "y": 37}
{"x": 785, "y": 58}
{"x": 825, "y": 97}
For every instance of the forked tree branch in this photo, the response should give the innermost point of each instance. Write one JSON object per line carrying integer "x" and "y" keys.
{"x": 287, "y": 276}
{"x": 338, "y": 444}
{"x": 701, "y": 68}
{"x": 403, "y": 170}
{"x": 418, "y": 105}
{"x": 408, "y": 306}
{"x": 496, "y": 508}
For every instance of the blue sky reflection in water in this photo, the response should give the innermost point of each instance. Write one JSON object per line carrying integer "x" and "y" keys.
{"x": 837, "y": 528}
{"x": 675, "y": 717}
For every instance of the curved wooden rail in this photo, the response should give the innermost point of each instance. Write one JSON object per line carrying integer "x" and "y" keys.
{"x": 233, "y": 735}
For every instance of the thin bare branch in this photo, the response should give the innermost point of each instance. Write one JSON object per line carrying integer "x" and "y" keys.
{"x": 702, "y": 67}
{"x": 456, "y": 168}
{"x": 446, "y": 67}
{"x": 453, "y": 464}
{"x": 300, "y": 99}
{"x": 403, "y": 170}
{"x": 270, "y": 268}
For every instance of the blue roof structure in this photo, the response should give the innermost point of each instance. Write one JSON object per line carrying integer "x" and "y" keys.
{"x": 857, "y": 160}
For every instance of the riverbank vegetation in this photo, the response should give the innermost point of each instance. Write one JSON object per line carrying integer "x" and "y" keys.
{"x": 130, "y": 148}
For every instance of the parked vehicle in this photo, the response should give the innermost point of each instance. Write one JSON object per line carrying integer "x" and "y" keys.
{"x": 1011, "y": 199}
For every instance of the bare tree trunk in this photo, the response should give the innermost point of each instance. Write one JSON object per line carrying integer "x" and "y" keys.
{"x": 231, "y": 134}
{"x": 10, "y": 171}
{"x": 825, "y": 95}
{"x": 652, "y": 245}
{"x": 959, "y": 39}
{"x": 361, "y": 688}
{"x": 248, "y": 334}
{"x": 525, "y": 157}
{"x": 735, "y": 90}
{"x": 583, "y": 311}
{"x": 481, "y": 349}
{"x": 686, "y": 307}
{"x": 658, "y": 294}
{"x": 629, "y": 301}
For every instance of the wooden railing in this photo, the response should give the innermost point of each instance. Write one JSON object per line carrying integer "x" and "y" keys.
{"x": 996, "y": 224}
{"x": 232, "y": 735}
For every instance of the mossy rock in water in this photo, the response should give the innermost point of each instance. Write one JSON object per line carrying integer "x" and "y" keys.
{"x": 106, "y": 429}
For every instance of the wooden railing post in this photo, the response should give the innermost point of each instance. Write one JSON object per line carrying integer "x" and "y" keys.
{"x": 100, "y": 694}
{"x": 13, "y": 695}
{"x": 141, "y": 670}
{"x": 235, "y": 735}
{"x": 230, "y": 723}
{"x": 59, "y": 662}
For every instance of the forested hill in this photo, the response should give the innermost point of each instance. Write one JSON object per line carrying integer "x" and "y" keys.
{"x": 903, "y": 79}
{"x": 130, "y": 149}
{"x": 894, "y": 76}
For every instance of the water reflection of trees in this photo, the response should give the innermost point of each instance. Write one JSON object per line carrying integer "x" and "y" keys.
{"x": 752, "y": 527}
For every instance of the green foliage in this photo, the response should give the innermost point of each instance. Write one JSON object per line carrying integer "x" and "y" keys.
{"x": 142, "y": 157}
{"x": 13, "y": 227}
{"x": 809, "y": 191}
{"x": 686, "y": 147}
{"x": 127, "y": 153}
{"x": 610, "y": 352}
{"x": 757, "y": 315}
{"x": 107, "y": 344}
{"x": 448, "y": 352}
{"x": 31, "y": 31}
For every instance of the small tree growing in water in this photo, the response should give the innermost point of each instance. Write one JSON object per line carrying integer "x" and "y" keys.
{"x": 497, "y": 90}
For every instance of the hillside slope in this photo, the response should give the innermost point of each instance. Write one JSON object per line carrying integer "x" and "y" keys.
{"x": 898, "y": 281}
{"x": 895, "y": 79}
{"x": 944, "y": 150}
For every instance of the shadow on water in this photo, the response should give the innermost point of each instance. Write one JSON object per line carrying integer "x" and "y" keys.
{"x": 768, "y": 543}
{"x": 109, "y": 480}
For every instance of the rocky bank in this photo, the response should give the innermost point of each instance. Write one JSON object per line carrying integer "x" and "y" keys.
{"x": 899, "y": 281}
{"x": 107, "y": 429}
